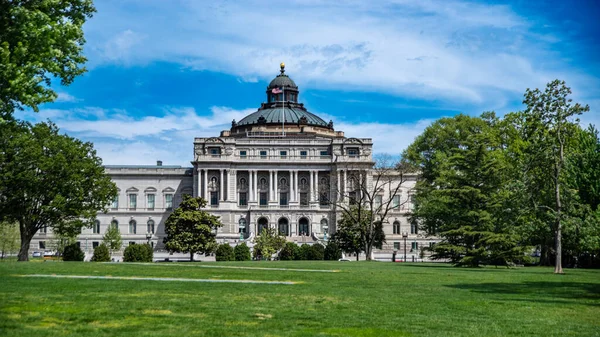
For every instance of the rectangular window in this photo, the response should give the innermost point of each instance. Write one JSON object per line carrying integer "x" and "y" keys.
{"x": 396, "y": 202}
{"x": 115, "y": 203}
{"x": 415, "y": 246}
{"x": 243, "y": 199}
{"x": 243, "y": 154}
{"x": 283, "y": 154}
{"x": 323, "y": 199}
{"x": 95, "y": 244}
{"x": 150, "y": 199}
{"x": 303, "y": 154}
{"x": 303, "y": 199}
{"x": 132, "y": 201}
{"x": 283, "y": 199}
{"x": 215, "y": 152}
{"x": 377, "y": 202}
{"x": 352, "y": 153}
{"x": 96, "y": 227}
{"x": 263, "y": 154}
{"x": 352, "y": 198}
{"x": 324, "y": 153}
{"x": 263, "y": 199}
{"x": 214, "y": 198}
{"x": 169, "y": 201}
{"x": 42, "y": 244}
{"x": 396, "y": 245}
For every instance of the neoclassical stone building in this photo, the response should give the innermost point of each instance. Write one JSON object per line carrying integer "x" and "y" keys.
{"x": 280, "y": 166}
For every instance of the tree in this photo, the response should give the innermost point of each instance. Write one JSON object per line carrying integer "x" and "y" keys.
{"x": 549, "y": 127}
{"x": 242, "y": 252}
{"x": 72, "y": 252}
{"x": 190, "y": 229}
{"x": 303, "y": 252}
{"x": 464, "y": 194}
{"x": 354, "y": 230}
{"x": 112, "y": 238}
{"x": 101, "y": 254}
{"x": 332, "y": 251}
{"x": 39, "y": 40}
{"x": 268, "y": 242}
{"x": 316, "y": 252}
{"x": 138, "y": 253}
{"x": 224, "y": 253}
{"x": 9, "y": 238}
{"x": 371, "y": 193}
{"x": 289, "y": 251}
{"x": 49, "y": 180}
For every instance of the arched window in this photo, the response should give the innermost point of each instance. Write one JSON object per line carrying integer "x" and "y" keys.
{"x": 114, "y": 224}
{"x": 96, "y": 228}
{"x": 303, "y": 227}
{"x": 132, "y": 227}
{"x": 263, "y": 223}
{"x": 283, "y": 227}
{"x": 150, "y": 228}
{"x": 242, "y": 225}
{"x": 414, "y": 228}
{"x": 396, "y": 227}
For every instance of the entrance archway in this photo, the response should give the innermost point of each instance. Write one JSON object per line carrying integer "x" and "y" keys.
{"x": 284, "y": 228}
{"x": 303, "y": 227}
{"x": 262, "y": 224}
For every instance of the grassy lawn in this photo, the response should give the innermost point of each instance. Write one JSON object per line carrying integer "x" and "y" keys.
{"x": 360, "y": 299}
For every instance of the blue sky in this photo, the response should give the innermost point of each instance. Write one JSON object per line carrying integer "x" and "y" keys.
{"x": 164, "y": 72}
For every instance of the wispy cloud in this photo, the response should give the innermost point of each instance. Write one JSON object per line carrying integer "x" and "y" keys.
{"x": 455, "y": 50}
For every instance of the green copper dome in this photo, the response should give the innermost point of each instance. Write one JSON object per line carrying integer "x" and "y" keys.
{"x": 282, "y": 80}
{"x": 293, "y": 115}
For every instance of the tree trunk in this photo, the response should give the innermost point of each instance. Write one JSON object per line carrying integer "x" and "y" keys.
{"x": 357, "y": 255}
{"x": 191, "y": 256}
{"x": 368, "y": 253}
{"x": 558, "y": 234}
{"x": 25, "y": 241}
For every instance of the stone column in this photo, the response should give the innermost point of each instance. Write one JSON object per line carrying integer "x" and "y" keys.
{"x": 255, "y": 185}
{"x": 311, "y": 186}
{"x": 233, "y": 188}
{"x": 270, "y": 185}
{"x": 250, "y": 186}
{"x": 339, "y": 195}
{"x": 345, "y": 184}
{"x": 276, "y": 193}
{"x": 198, "y": 183}
{"x": 295, "y": 185}
{"x": 221, "y": 189}
{"x": 205, "y": 187}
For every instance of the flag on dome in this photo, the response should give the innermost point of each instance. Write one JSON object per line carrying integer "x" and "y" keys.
{"x": 276, "y": 91}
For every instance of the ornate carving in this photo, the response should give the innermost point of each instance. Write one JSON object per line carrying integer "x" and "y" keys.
{"x": 262, "y": 120}
{"x": 302, "y": 120}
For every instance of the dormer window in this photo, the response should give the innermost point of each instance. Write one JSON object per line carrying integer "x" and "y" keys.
{"x": 352, "y": 152}
{"x": 215, "y": 151}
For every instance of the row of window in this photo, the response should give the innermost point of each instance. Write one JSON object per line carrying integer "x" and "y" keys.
{"x": 150, "y": 226}
{"x": 283, "y": 154}
{"x": 42, "y": 244}
{"x": 150, "y": 201}
{"x": 263, "y": 199}
{"x": 414, "y": 229}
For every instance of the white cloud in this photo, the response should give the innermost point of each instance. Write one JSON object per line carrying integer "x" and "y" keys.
{"x": 453, "y": 50}
{"x": 64, "y": 97}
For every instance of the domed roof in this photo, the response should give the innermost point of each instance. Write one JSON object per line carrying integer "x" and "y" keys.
{"x": 282, "y": 80}
{"x": 293, "y": 115}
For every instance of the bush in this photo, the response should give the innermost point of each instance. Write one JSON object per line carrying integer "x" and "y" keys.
{"x": 332, "y": 251}
{"x": 316, "y": 252}
{"x": 224, "y": 253}
{"x": 242, "y": 252}
{"x": 289, "y": 251}
{"x": 73, "y": 253}
{"x": 101, "y": 254}
{"x": 138, "y": 253}
{"x": 303, "y": 252}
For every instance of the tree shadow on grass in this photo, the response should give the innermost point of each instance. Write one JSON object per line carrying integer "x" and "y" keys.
{"x": 539, "y": 291}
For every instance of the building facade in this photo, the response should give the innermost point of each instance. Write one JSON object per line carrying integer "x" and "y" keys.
{"x": 280, "y": 166}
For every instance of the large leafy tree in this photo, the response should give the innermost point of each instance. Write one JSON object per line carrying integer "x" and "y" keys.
{"x": 9, "y": 238}
{"x": 49, "y": 180}
{"x": 39, "y": 40}
{"x": 463, "y": 196}
{"x": 549, "y": 128}
{"x": 112, "y": 238}
{"x": 190, "y": 229}
{"x": 268, "y": 242}
{"x": 355, "y": 229}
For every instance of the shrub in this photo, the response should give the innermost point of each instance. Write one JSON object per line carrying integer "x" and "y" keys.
{"x": 303, "y": 252}
{"x": 332, "y": 251}
{"x": 242, "y": 252}
{"x": 101, "y": 254}
{"x": 224, "y": 253}
{"x": 288, "y": 251}
{"x": 73, "y": 253}
{"x": 138, "y": 253}
{"x": 316, "y": 252}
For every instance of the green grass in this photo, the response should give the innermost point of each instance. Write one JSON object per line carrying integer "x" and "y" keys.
{"x": 362, "y": 299}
